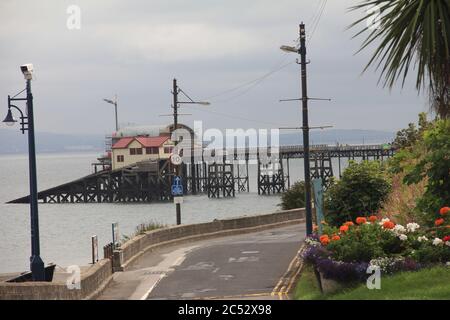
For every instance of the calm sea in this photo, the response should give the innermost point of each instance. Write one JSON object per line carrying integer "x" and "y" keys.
{"x": 66, "y": 229}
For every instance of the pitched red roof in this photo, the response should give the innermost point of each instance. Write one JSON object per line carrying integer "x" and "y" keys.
{"x": 122, "y": 143}
{"x": 146, "y": 142}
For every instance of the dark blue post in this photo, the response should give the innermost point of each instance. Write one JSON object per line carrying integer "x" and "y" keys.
{"x": 36, "y": 263}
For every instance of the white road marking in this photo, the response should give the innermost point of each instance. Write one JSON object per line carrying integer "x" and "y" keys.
{"x": 156, "y": 273}
{"x": 243, "y": 259}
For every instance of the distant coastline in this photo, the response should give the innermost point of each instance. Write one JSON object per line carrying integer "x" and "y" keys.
{"x": 12, "y": 142}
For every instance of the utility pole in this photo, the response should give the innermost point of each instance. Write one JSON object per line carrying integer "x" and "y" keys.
{"x": 114, "y": 102}
{"x": 175, "y": 125}
{"x": 175, "y": 91}
{"x": 305, "y": 126}
{"x": 175, "y": 104}
{"x": 309, "y": 228}
{"x": 115, "y": 111}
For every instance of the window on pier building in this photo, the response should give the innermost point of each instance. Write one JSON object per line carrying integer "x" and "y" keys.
{"x": 152, "y": 150}
{"x": 134, "y": 151}
{"x": 168, "y": 149}
{"x": 120, "y": 158}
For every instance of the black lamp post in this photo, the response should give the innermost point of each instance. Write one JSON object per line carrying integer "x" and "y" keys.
{"x": 27, "y": 124}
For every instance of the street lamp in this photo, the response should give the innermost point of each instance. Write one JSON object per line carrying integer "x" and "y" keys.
{"x": 114, "y": 102}
{"x": 305, "y": 127}
{"x": 27, "y": 124}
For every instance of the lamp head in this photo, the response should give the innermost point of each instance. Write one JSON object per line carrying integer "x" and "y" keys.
{"x": 9, "y": 120}
{"x": 289, "y": 49}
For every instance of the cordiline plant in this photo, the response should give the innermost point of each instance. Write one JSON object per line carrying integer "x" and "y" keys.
{"x": 411, "y": 34}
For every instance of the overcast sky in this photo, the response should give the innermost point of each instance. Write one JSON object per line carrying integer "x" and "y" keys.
{"x": 135, "y": 48}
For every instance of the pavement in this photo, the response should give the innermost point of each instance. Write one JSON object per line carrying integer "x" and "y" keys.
{"x": 260, "y": 265}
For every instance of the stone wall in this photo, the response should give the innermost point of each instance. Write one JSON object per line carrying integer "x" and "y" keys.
{"x": 92, "y": 282}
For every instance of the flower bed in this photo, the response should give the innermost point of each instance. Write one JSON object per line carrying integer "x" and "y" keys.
{"x": 344, "y": 254}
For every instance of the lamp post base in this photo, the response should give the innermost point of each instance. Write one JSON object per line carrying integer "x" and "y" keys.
{"x": 37, "y": 268}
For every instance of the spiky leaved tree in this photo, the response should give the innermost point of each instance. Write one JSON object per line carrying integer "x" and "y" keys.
{"x": 411, "y": 33}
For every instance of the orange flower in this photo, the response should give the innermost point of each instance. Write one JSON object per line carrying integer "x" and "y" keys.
{"x": 315, "y": 227}
{"x": 349, "y": 223}
{"x": 439, "y": 222}
{"x": 361, "y": 220}
{"x": 335, "y": 238}
{"x": 444, "y": 211}
{"x": 373, "y": 218}
{"x": 324, "y": 240}
{"x": 343, "y": 229}
{"x": 388, "y": 225}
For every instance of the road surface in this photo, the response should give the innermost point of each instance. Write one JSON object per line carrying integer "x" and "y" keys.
{"x": 248, "y": 266}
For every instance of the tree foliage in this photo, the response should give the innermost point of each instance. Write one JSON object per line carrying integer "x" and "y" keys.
{"x": 435, "y": 167}
{"x": 409, "y": 136}
{"x": 411, "y": 33}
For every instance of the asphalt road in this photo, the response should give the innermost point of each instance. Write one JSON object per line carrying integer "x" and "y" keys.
{"x": 247, "y": 266}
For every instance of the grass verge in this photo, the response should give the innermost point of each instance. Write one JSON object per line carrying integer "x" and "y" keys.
{"x": 427, "y": 284}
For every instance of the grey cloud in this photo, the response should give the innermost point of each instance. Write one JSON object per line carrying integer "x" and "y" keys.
{"x": 135, "y": 48}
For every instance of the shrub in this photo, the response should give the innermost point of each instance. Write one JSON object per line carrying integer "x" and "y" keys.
{"x": 435, "y": 167}
{"x": 361, "y": 190}
{"x": 294, "y": 197}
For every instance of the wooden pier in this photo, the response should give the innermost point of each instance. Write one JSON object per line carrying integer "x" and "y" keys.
{"x": 150, "y": 181}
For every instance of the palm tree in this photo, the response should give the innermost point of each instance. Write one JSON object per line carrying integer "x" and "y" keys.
{"x": 411, "y": 33}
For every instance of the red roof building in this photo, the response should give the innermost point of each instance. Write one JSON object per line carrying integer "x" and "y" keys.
{"x": 130, "y": 150}
{"x": 146, "y": 142}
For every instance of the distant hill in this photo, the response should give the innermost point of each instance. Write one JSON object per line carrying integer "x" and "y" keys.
{"x": 343, "y": 136}
{"x": 13, "y": 141}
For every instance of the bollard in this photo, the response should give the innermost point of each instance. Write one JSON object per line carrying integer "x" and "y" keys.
{"x": 94, "y": 244}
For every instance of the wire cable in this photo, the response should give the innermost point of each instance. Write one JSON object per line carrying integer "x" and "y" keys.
{"x": 317, "y": 21}
{"x": 277, "y": 125}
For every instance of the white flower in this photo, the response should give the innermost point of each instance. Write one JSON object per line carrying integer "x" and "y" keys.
{"x": 412, "y": 227}
{"x": 447, "y": 243}
{"x": 422, "y": 238}
{"x": 437, "y": 241}
{"x": 403, "y": 237}
{"x": 399, "y": 229}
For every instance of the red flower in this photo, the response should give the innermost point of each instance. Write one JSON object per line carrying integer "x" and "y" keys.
{"x": 343, "y": 229}
{"x": 361, "y": 220}
{"x": 446, "y": 238}
{"x": 324, "y": 240}
{"x": 335, "y": 238}
{"x": 444, "y": 211}
{"x": 388, "y": 225}
{"x": 349, "y": 224}
{"x": 439, "y": 222}
{"x": 373, "y": 218}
